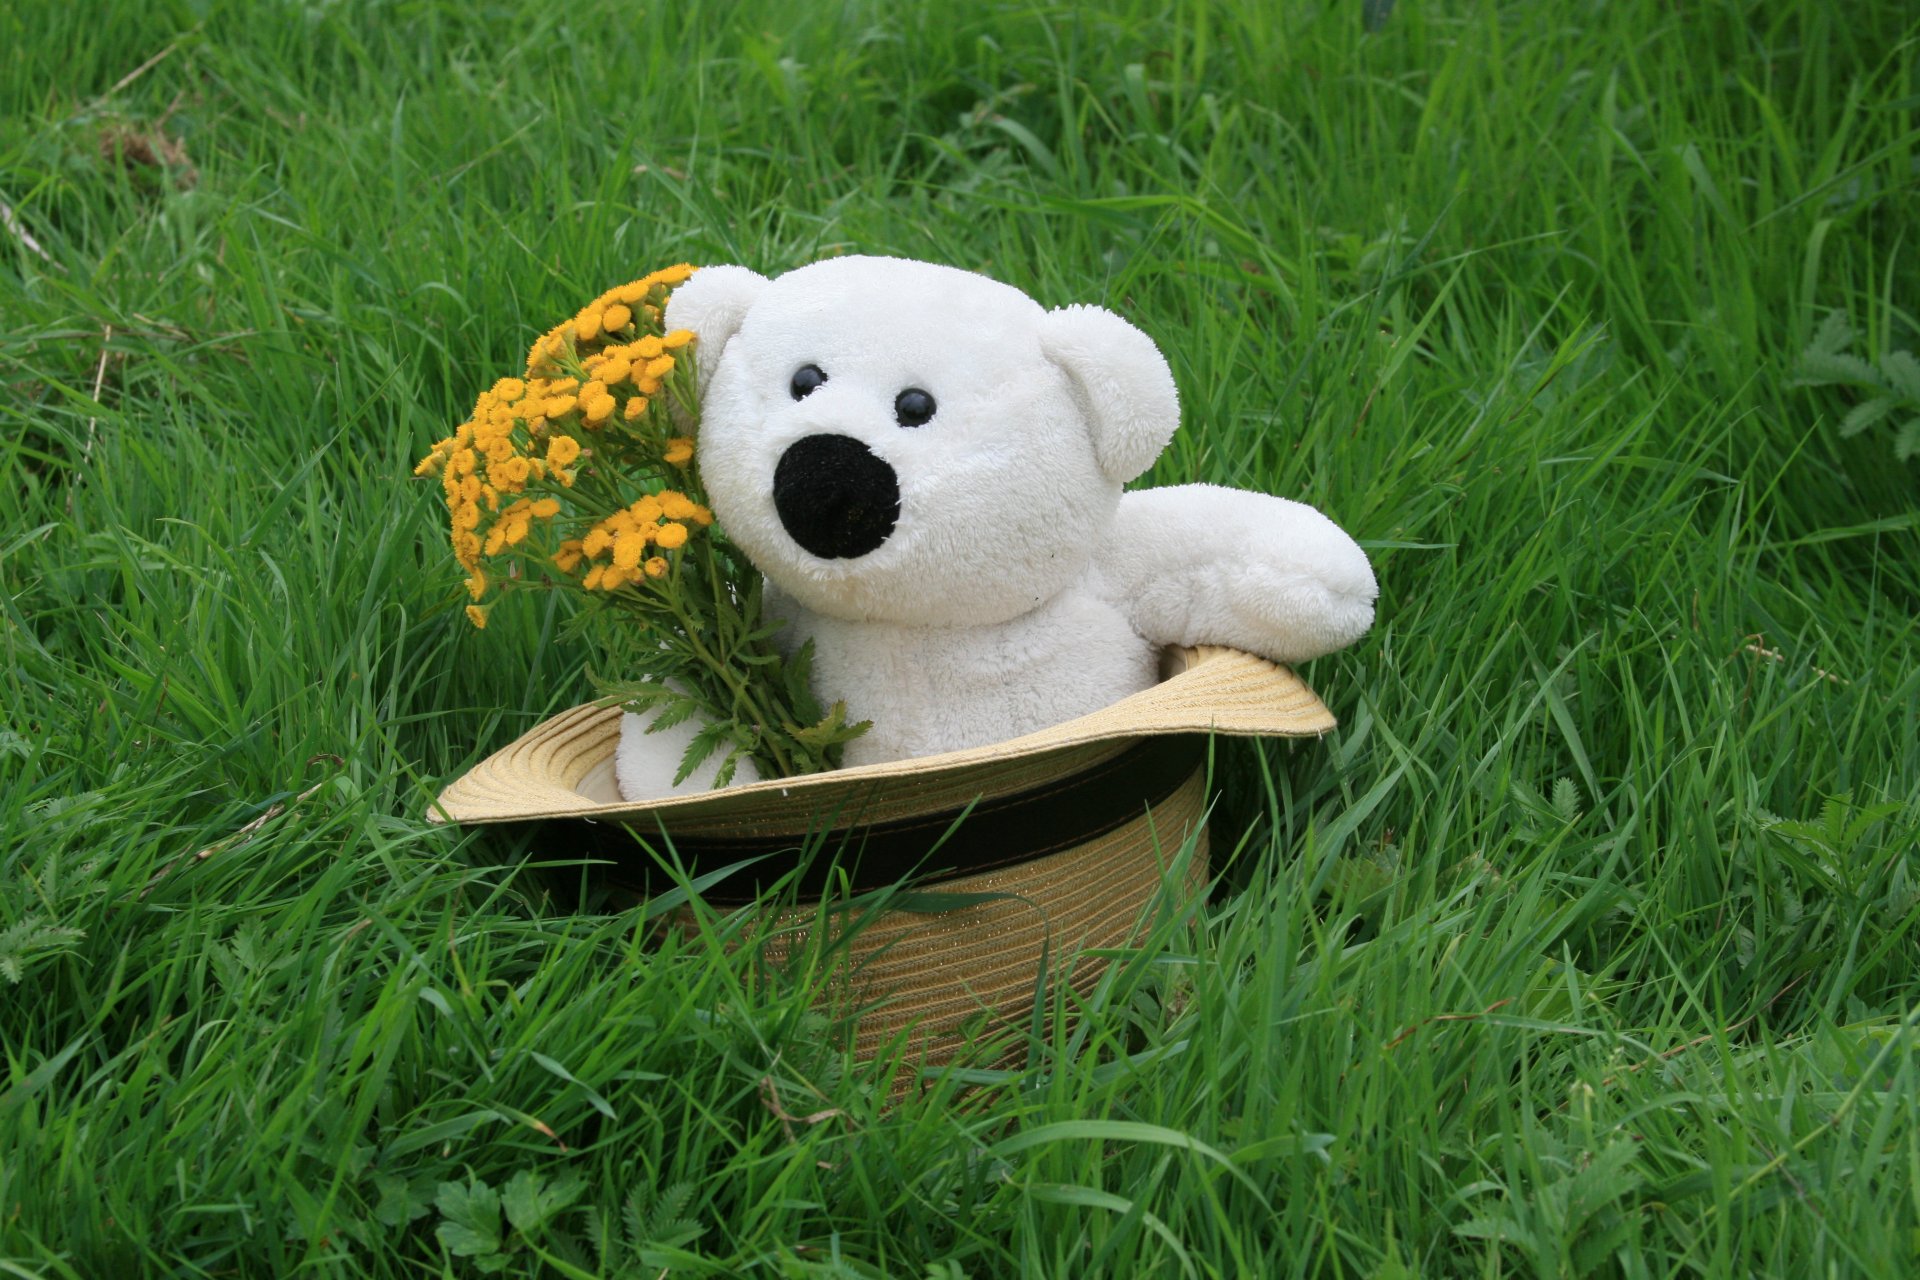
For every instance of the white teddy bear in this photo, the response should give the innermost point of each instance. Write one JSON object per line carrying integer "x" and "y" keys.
{"x": 927, "y": 466}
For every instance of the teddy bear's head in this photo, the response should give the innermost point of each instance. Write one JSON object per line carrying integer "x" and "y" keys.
{"x": 897, "y": 441}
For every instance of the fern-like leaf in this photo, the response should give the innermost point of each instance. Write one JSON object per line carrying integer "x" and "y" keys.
{"x": 1864, "y": 415}
{"x": 30, "y": 939}
{"x": 677, "y": 711}
{"x": 659, "y": 1220}
{"x": 704, "y": 744}
{"x": 1825, "y": 369}
{"x": 1901, "y": 373}
{"x": 1907, "y": 444}
{"x": 1834, "y": 335}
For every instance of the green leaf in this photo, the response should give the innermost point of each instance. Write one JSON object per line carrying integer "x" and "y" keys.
{"x": 471, "y": 1213}
{"x": 831, "y": 730}
{"x": 728, "y": 767}
{"x": 1118, "y": 1131}
{"x": 704, "y": 744}
{"x": 1864, "y": 415}
{"x": 1907, "y": 443}
{"x": 798, "y": 677}
{"x": 673, "y": 713}
{"x": 1566, "y": 799}
{"x": 29, "y": 939}
{"x": 1902, "y": 373}
{"x": 1294, "y": 1145}
{"x": 659, "y": 1220}
{"x": 401, "y": 1201}
{"x": 1497, "y": 1227}
{"x": 531, "y": 1204}
{"x": 1833, "y": 336}
{"x": 556, "y": 1068}
{"x": 634, "y": 695}
{"x": 1820, "y": 369}
{"x": 1093, "y": 1198}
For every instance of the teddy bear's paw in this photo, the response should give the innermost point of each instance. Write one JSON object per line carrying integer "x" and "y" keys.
{"x": 644, "y": 763}
{"x": 1292, "y": 614}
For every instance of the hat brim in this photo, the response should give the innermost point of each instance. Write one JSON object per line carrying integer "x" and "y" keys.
{"x": 563, "y": 767}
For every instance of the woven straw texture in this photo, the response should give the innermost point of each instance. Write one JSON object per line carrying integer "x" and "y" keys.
{"x": 951, "y": 979}
{"x": 941, "y": 977}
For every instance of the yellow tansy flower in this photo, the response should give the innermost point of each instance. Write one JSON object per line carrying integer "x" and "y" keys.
{"x": 628, "y": 550}
{"x": 502, "y": 469}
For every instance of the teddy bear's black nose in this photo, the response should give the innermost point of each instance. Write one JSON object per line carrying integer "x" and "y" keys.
{"x": 836, "y": 498}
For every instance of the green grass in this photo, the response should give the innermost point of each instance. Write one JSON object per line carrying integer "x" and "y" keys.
{"x": 1588, "y": 945}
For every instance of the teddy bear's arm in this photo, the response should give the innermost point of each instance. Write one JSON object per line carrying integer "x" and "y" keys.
{"x": 1200, "y": 564}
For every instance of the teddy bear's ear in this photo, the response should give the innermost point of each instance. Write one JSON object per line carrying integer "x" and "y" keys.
{"x": 1122, "y": 381}
{"x": 712, "y": 303}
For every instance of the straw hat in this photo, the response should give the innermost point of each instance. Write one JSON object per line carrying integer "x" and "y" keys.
{"x": 1057, "y": 842}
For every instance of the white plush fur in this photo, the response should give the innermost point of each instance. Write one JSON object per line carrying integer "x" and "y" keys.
{"x": 644, "y": 763}
{"x": 1018, "y": 588}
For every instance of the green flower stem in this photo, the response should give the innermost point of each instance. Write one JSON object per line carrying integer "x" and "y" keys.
{"x": 743, "y": 693}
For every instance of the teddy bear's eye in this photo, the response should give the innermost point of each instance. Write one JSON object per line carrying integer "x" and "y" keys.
{"x": 912, "y": 407}
{"x": 806, "y": 380}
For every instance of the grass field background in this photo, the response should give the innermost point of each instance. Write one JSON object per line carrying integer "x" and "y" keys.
{"x": 1588, "y": 945}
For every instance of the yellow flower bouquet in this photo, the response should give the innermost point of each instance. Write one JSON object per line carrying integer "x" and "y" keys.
{"x": 582, "y": 474}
